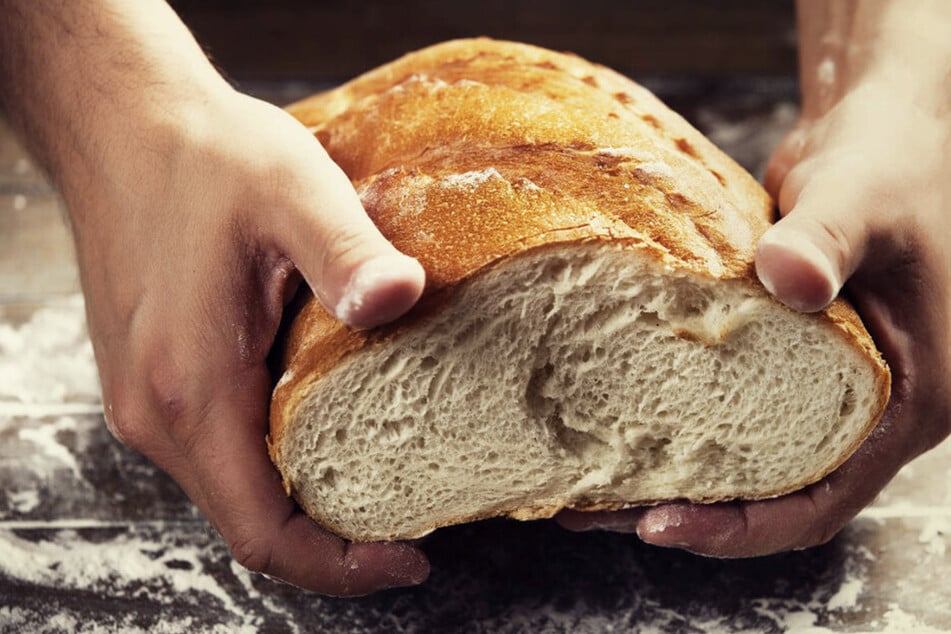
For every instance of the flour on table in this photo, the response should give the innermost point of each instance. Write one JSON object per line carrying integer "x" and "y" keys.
{"x": 124, "y": 566}
{"x": 932, "y": 535}
{"x": 42, "y": 436}
{"x": 847, "y": 595}
{"x": 24, "y": 501}
{"x": 49, "y": 358}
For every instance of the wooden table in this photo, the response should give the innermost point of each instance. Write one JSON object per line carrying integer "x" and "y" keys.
{"x": 94, "y": 538}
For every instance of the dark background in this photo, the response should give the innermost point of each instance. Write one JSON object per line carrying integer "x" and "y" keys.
{"x": 334, "y": 41}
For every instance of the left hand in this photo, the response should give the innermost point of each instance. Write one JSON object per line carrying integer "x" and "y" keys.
{"x": 865, "y": 196}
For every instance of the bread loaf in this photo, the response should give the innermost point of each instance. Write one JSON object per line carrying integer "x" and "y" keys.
{"x": 592, "y": 334}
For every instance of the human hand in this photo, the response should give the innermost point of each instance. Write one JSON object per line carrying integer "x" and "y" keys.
{"x": 863, "y": 191}
{"x": 187, "y": 242}
{"x": 193, "y": 207}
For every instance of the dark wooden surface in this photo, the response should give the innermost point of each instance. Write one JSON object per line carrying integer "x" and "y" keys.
{"x": 280, "y": 39}
{"x": 93, "y": 538}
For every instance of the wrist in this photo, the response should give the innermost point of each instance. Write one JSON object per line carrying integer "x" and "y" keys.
{"x": 82, "y": 79}
{"x": 139, "y": 147}
{"x": 849, "y": 45}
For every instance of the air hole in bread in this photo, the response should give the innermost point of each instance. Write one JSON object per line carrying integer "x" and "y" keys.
{"x": 848, "y": 402}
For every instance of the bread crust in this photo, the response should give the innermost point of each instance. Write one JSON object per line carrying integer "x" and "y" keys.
{"x": 561, "y": 151}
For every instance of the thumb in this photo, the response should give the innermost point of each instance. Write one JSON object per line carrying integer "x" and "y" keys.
{"x": 806, "y": 257}
{"x": 354, "y": 271}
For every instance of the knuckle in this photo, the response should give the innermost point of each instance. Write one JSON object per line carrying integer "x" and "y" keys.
{"x": 166, "y": 392}
{"x": 345, "y": 246}
{"x": 155, "y": 406}
{"x": 252, "y": 551}
{"x": 791, "y": 185}
{"x": 125, "y": 417}
{"x": 826, "y": 519}
{"x": 834, "y": 232}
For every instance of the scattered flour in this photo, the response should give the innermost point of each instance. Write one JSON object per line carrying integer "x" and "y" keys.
{"x": 645, "y": 164}
{"x": 618, "y": 151}
{"x": 804, "y": 622}
{"x": 802, "y": 617}
{"x": 898, "y": 621}
{"x": 932, "y": 535}
{"x": 470, "y": 180}
{"x": 13, "y": 619}
{"x": 124, "y": 566}
{"x": 846, "y": 598}
{"x": 268, "y": 601}
{"x": 43, "y": 459}
{"x": 43, "y": 437}
{"x": 656, "y": 169}
{"x": 24, "y": 501}
{"x": 410, "y": 201}
{"x": 49, "y": 358}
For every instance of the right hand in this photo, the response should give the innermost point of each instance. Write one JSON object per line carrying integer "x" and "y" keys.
{"x": 191, "y": 216}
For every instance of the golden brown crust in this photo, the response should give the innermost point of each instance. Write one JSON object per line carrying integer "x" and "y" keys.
{"x": 474, "y": 151}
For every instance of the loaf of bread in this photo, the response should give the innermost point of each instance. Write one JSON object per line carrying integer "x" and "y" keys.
{"x": 592, "y": 333}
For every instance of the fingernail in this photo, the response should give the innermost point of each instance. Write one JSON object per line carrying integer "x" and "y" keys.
{"x": 412, "y": 571}
{"x": 784, "y": 245}
{"x": 364, "y": 302}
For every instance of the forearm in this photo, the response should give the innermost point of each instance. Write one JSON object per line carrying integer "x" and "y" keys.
{"x": 904, "y": 44}
{"x": 79, "y": 77}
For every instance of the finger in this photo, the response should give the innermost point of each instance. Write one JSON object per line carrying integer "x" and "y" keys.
{"x": 805, "y": 258}
{"x": 787, "y": 155}
{"x": 799, "y": 520}
{"x": 232, "y": 479}
{"x": 738, "y": 529}
{"x": 353, "y": 270}
{"x": 723, "y": 530}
